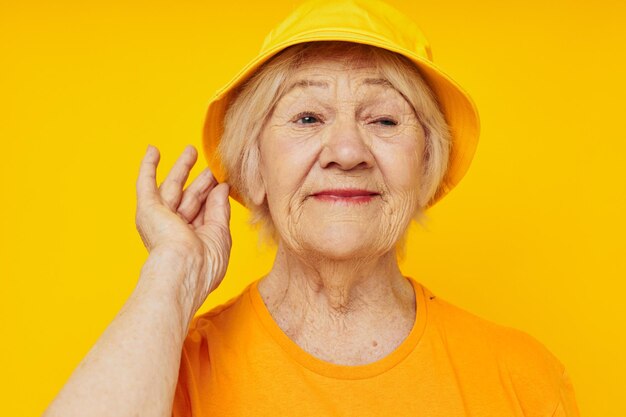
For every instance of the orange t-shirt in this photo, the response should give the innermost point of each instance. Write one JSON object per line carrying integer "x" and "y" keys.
{"x": 236, "y": 361}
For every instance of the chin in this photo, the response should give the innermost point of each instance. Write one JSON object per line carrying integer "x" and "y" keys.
{"x": 345, "y": 241}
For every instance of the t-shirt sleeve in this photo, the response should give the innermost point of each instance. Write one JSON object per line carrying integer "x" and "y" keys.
{"x": 567, "y": 406}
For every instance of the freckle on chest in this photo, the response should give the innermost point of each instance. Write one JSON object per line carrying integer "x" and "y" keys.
{"x": 374, "y": 343}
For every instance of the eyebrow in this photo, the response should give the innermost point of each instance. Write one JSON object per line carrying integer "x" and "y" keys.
{"x": 377, "y": 81}
{"x": 323, "y": 84}
{"x": 305, "y": 84}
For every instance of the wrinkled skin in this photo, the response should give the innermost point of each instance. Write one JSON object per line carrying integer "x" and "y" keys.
{"x": 340, "y": 129}
{"x": 335, "y": 288}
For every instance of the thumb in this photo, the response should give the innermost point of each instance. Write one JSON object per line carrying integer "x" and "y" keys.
{"x": 217, "y": 209}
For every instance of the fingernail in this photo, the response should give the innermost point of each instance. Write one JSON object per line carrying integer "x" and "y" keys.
{"x": 151, "y": 149}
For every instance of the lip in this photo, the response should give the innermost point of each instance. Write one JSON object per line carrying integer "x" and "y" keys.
{"x": 346, "y": 195}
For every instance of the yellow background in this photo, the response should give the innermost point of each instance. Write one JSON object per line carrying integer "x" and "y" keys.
{"x": 533, "y": 237}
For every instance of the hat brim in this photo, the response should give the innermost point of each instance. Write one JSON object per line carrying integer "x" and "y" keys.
{"x": 457, "y": 106}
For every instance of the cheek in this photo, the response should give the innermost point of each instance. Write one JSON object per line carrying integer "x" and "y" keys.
{"x": 286, "y": 163}
{"x": 400, "y": 165}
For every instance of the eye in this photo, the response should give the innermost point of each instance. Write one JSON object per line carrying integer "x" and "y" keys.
{"x": 307, "y": 118}
{"x": 386, "y": 122}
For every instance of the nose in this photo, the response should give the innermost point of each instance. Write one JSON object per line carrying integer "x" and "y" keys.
{"x": 345, "y": 147}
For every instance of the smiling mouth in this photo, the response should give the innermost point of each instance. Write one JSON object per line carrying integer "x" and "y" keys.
{"x": 348, "y": 196}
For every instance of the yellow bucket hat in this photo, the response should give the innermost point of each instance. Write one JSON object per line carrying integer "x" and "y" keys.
{"x": 369, "y": 22}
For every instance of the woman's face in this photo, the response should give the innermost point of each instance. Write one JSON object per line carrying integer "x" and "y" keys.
{"x": 340, "y": 160}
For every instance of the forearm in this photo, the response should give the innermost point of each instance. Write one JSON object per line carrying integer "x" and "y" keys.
{"x": 132, "y": 370}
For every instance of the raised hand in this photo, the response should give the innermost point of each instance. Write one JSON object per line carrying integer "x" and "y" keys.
{"x": 186, "y": 223}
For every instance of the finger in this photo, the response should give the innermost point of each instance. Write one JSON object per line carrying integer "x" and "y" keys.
{"x": 196, "y": 194}
{"x": 217, "y": 206}
{"x": 171, "y": 189}
{"x": 199, "y": 219}
{"x": 146, "y": 180}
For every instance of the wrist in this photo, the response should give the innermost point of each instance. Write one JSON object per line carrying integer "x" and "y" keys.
{"x": 173, "y": 275}
{"x": 175, "y": 261}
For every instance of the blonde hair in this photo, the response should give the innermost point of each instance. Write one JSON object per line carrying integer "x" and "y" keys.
{"x": 256, "y": 98}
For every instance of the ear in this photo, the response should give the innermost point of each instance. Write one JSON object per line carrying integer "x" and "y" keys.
{"x": 253, "y": 174}
{"x": 257, "y": 189}
{"x": 421, "y": 196}
{"x": 256, "y": 184}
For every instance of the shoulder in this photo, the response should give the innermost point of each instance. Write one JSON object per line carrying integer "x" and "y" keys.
{"x": 512, "y": 344}
{"x": 517, "y": 359}
{"x": 220, "y": 322}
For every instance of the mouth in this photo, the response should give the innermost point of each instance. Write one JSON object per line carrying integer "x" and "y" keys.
{"x": 346, "y": 196}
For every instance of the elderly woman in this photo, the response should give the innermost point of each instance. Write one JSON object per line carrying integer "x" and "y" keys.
{"x": 335, "y": 137}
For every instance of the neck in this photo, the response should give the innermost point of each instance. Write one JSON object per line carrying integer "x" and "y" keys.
{"x": 349, "y": 312}
{"x": 372, "y": 285}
